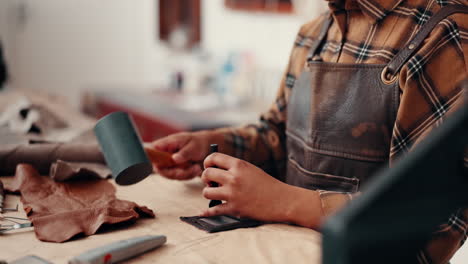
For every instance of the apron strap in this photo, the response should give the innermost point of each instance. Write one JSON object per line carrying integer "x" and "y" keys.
{"x": 403, "y": 56}
{"x": 320, "y": 38}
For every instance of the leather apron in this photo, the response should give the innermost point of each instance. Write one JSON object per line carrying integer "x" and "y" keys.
{"x": 341, "y": 117}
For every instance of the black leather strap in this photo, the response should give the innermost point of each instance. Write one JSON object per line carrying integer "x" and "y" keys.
{"x": 219, "y": 223}
{"x": 403, "y": 56}
{"x": 321, "y": 37}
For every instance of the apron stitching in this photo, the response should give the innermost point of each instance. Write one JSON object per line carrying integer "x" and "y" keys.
{"x": 340, "y": 183}
{"x": 333, "y": 152}
{"x": 323, "y": 175}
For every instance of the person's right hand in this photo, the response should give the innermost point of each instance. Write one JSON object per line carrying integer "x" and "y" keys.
{"x": 188, "y": 149}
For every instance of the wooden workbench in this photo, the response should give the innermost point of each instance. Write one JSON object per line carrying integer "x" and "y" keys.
{"x": 271, "y": 243}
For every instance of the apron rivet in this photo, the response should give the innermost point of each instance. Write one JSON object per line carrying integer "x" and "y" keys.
{"x": 387, "y": 78}
{"x": 411, "y": 46}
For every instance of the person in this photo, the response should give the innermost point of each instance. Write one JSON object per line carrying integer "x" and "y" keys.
{"x": 349, "y": 103}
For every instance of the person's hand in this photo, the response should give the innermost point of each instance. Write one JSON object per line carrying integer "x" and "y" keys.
{"x": 188, "y": 150}
{"x": 246, "y": 189}
{"x": 250, "y": 192}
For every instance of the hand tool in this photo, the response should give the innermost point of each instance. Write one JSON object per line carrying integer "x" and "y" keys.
{"x": 12, "y": 219}
{"x": 213, "y": 149}
{"x": 122, "y": 148}
{"x": 6, "y": 228}
{"x": 161, "y": 158}
{"x": 119, "y": 251}
{"x": 2, "y": 200}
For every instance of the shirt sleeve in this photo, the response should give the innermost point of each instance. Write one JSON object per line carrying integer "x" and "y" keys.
{"x": 430, "y": 92}
{"x": 264, "y": 143}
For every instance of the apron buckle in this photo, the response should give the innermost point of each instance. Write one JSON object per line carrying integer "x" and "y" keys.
{"x": 388, "y": 78}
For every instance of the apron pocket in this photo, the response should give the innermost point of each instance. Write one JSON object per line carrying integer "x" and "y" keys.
{"x": 299, "y": 176}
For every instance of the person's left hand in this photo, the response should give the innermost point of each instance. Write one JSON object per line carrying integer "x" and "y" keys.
{"x": 246, "y": 189}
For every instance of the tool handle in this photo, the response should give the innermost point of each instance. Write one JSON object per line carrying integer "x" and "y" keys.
{"x": 213, "y": 149}
{"x": 119, "y": 251}
{"x": 161, "y": 158}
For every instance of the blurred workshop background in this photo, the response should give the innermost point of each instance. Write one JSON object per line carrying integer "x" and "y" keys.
{"x": 193, "y": 55}
{"x": 174, "y": 64}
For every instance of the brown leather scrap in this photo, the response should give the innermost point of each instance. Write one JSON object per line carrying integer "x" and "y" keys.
{"x": 41, "y": 156}
{"x": 63, "y": 170}
{"x": 60, "y": 211}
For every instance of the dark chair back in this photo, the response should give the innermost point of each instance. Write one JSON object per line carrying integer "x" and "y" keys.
{"x": 403, "y": 205}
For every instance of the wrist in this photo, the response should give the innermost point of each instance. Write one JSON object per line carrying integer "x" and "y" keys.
{"x": 215, "y": 136}
{"x": 303, "y": 208}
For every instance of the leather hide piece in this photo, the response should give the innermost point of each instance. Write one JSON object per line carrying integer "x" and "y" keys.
{"x": 43, "y": 155}
{"x": 62, "y": 171}
{"x": 60, "y": 211}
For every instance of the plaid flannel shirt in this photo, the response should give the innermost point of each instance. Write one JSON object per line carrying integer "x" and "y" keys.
{"x": 372, "y": 32}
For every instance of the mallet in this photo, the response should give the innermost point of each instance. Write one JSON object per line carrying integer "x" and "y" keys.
{"x": 122, "y": 148}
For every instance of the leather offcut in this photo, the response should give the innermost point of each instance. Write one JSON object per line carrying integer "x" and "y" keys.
{"x": 61, "y": 211}
{"x": 43, "y": 155}
{"x": 63, "y": 171}
{"x": 219, "y": 223}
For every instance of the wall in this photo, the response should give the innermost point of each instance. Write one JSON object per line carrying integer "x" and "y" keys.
{"x": 3, "y": 22}
{"x": 268, "y": 36}
{"x": 64, "y": 46}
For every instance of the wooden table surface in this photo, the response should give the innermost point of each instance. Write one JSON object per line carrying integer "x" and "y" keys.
{"x": 270, "y": 243}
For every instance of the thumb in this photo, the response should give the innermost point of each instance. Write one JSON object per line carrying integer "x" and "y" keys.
{"x": 180, "y": 157}
{"x": 171, "y": 143}
{"x": 185, "y": 154}
{"x": 222, "y": 209}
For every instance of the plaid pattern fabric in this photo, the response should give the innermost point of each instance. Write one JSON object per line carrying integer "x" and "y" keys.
{"x": 372, "y": 32}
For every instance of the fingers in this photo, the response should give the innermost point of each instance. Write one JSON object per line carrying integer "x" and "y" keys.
{"x": 183, "y": 155}
{"x": 178, "y": 173}
{"x": 222, "y": 209}
{"x": 190, "y": 152}
{"x": 171, "y": 143}
{"x": 215, "y": 175}
{"x": 221, "y": 160}
{"x": 215, "y": 193}
{"x": 179, "y": 143}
